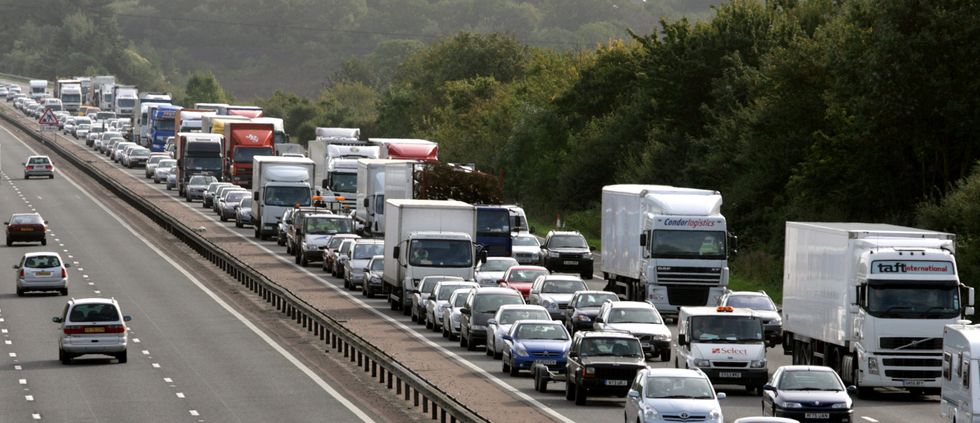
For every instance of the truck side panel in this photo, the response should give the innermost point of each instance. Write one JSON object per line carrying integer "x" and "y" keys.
{"x": 622, "y": 224}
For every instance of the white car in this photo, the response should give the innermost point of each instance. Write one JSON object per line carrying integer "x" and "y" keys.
{"x": 421, "y": 294}
{"x": 526, "y": 249}
{"x": 439, "y": 302}
{"x": 490, "y": 272}
{"x": 42, "y": 271}
{"x": 640, "y": 319}
{"x": 554, "y": 292}
{"x": 92, "y": 326}
{"x": 450, "y": 318}
{"x": 506, "y": 316}
{"x": 673, "y": 395}
{"x": 163, "y": 169}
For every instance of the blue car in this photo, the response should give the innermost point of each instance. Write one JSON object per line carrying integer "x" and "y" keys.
{"x": 530, "y": 342}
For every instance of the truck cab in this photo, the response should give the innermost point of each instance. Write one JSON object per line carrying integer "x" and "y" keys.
{"x": 493, "y": 231}
{"x": 960, "y": 399}
{"x": 162, "y": 126}
{"x": 726, "y": 343}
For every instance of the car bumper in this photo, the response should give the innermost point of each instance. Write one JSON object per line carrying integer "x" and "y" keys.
{"x": 526, "y": 363}
{"x": 37, "y": 172}
{"x": 773, "y": 332}
{"x": 195, "y": 194}
{"x": 599, "y": 387}
{"x": 25, "y": 236}
{"x": 842, "y": 416}
{"x": 738, "y": 376}
{"x": 566, "y": 265}
{"x": 655, "y": 347}
{"x": 374, "y": 287}
{"x": 47, "y": 285}
{"x": 313, "y": 255}
{"x": 101, "y": 345}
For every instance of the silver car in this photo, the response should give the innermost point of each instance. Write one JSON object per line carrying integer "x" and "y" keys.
{"x": 362, "y": 252}
{"x": 501, "y": 323}
{"x": 208, "y": 195}
{"x": 80, "y": 131}
{"x": 196, "y": 186}
{"x": 450, "y": 318}
{"x": 42, "y": 271}
{"x": 243, "y": 213}
{"x": 92, "y": 326}
{"x": 172, "y": 179}
{"x": 373, "y": 274}
{"x": 439, "y": 302}
{"x": 38, "y": 166}
{"x": 228, "y": 203}
{"x": 669, "y": 395}
{"x": 422, "y": 292}
{"x": 163, "y": 169}
{"x": 137, "y": 157}
{"x": 152, "y": 161}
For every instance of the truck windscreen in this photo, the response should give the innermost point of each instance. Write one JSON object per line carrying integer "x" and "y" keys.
{"x": 493, "y": 221}
{"x": 163, "y": 125}
{"x": 245, "y": 155}
{"x": 913, "y": 301}
{"x": 440, "y": 253}
{"x": 342, "y": 182}
{"x": 126, "y": 102}
{"x": 725, "y": 329}
{"x": 203, "y": 163}
{"x": 688, "y": 244}
{"x": 71, "y": 98}
{"x": 287, "y": 196}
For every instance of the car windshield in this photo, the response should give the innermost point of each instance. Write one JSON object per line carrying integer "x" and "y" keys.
{"x": 910, "y": 300}
{"x": 140, "y": 153}
{"x": 460, "y": 298}
{"x": 541, "y": 331}
{"x": 754, "y": 302}
{"x": 235, "y": 197}
{"x": 498, "y": 265}
{"x": 595, "y": 300}
{"x": 562, "y": 287}
{"x": 327, "y": 226}
{"x": 526, "y": 241}
{"x": 154, "y": 160}
{"x": 508, "y": 317}
{"x": 246, "y": 202}
{"x": 721, "y": 328}
{"x": 93, "y": 313}
{"x": 166, "y": 164}
{"x": 446, "y": 291}
{"x": 525, "y": 275}
{"x": 366, "y": 251}
{"x": 633, "y": 315}
{"x": 809, "y": 380}
{"x": 428, "y": 284}
{"x": 688, "y": 244}
{"x": 567, "y": 241}
{"x": 335, "y": 242}
{"x": 378, "y": 264}
{"x": 678, "y": 387}
{"x": 617, "y": 347}
{"x": 440, "y": 253}
{"x": 489, "y": 303}
{"x": 287, "y": 196}
{"x": 42, "y": 262}
{"x": 26, "y": 219}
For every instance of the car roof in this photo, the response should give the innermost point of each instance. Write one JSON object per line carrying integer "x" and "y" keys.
{"x": 537, "y": 321}
{"x": 593, "y": 292}
{"x": 631, "y": 304}
{"x": 527, "y": 267}
{"x": 41, "y": 253}
{"x": 366, "y": 240}
{"x": 798, "y": 368}
{"x": 748, "y": 294}
{"x": 495, "y": 290}
{"x": 672, "y": 372}
{"x": 588, "y": 334}
{"x": 93, "y": 300}
{"x": 554, "y": 277}
{"x": 564, "y": 233}
{"x": 521, "y": 307}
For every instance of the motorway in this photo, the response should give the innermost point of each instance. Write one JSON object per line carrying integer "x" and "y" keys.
{"x": 223, "y": 389}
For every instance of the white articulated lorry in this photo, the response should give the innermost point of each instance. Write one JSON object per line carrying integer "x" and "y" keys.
{"x": 278, "y": 183}
{"x": 960, "y": 398}
{"x": 336, "y": 151}
{"x": 370, "y": 202}
{"x": 665, "y": 245}
{"x": 426, "y": 238}
{"x": 870, "y": 301}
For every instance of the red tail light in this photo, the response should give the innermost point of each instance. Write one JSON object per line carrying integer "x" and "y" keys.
{"x": 78, "y": 330}
{"x": 74, "y": 330}
{"x": 49, "y": 167}
{"x": 64, "y": 273}
{"x": 28, "y": 167}
{"x": 115, "y": 329}
{"x": 21, "y": 275}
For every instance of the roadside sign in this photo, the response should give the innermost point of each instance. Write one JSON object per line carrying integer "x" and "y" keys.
{"x": 48, "y": 120}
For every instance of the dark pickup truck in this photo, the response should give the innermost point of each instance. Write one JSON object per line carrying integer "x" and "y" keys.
{"x": 602, "y": 364}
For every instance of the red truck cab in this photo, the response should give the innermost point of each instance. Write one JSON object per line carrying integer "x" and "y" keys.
{"x": 243, "y": 141}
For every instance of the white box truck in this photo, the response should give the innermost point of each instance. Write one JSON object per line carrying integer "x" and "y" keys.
{"x": 370, "y": 202}
{"x": 870, "y": 301}
{"x": 960, "y": 399}
{"x": 665, "y": 245}
{"x": 336, "y": 162}
{"x": 124, "y": 99}
{"x": 426, "y": 238}
{"x": 39, "y": 88}
{"x": 277, "y": 184}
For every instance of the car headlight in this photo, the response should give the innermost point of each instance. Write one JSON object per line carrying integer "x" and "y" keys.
{"x": 587, "y": 255}
{"x": 840, "y": 405}
{"x": 758, "y": 364}
{"x": 661, "y": 338}
{"x": 715, "y": 415}
{"x": 700, "y": 362}
{"x": 553, "y": 254}
{"x": 520, "y": 350}
{"x": 650, "y": 413}
{"x": 582, "y": 318}
{"x": 872, "y": 365}
{"x": 589, "y": 371}
{"x": 792, "y": 405}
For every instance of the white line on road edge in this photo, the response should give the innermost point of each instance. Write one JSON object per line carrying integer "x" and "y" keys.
{"x": 272, "y": 343}
{"x": 869, "y": 419}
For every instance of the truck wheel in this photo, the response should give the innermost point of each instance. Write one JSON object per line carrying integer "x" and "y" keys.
{"x": 569, "y": 390}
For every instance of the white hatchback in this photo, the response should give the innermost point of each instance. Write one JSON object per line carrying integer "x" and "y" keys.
{"x": 92, "y": 326}
{"x": 42, "y": 271}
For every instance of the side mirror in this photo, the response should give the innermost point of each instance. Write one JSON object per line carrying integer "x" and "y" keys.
{"x": 67, "y": 265}
{"x": 572, "y": 354}
{"x": 483, "y": 256}
{"x": 127, "y": 318}
{"x": 970, "y": 297}
{"x": 721, "y": 395}
{"x": 851, "y": 389}
{"x": 969, "y": 311}
{"x": 395, "y": 252}
{"x": 255, "y": 196}
{"x": 56, "y": 319}
{"x": 633, "y": 394}
{"x": 643, "y": 240}
{"x": 492, "y": 322}
{"x": 682, "y": 339}
{"x": 507, "y": 337}
{"x": 768, "y": 387}
{"x": 16, "y": 266}
{"x": 733, "y": 245}
{"x": 465, "y": 311}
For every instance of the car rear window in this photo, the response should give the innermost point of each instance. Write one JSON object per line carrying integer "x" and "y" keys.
{"x": 26, "y": 219}
{"x": 93, "y": 313}
{"x": 489, "y": 303}
{"x": 39, "y": 160}
{"x": 41, "y": 262}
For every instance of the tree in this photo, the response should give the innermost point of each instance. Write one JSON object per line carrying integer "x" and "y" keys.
{"x": 203, "y": 87}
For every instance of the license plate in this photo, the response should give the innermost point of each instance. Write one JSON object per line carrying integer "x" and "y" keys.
{"x": 98, "y": 329}
{"x": 572, "y": 262}
{"x": 913, "y": 382}
{"x": 546, "y": 362}
{"x": 616, "y": 382}
{"x": 817, "y": 415}
{"x": 27, "y": 229}
{"x": 733, "y": 375}
{"x": 42, "y": 274}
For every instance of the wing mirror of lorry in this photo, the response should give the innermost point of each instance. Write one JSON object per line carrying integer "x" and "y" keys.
{"x": 255, "y": 196}
{"x": 971, "y": 297}
{"x": 531, "y": 229}
{"x": 643, "y": 240}
{"x": 682, "y": 339}
{"x": 733, "y": 244}
{"x": 483, "y": 256}
{"x": 395, "y": 251}
{"x": 465, "y": 311}
{"x": 365, "y": 202}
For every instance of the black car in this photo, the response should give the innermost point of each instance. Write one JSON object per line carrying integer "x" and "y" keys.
{"x": 567, "y": 251}
{"x": 808, "y": 393}
{"x": 583, "y": 308}
{"x": 481, "y": 305}
{"x": 602, "y": 364}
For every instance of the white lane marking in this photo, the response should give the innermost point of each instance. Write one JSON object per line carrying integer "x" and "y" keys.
{"x": 91, "y": 283}
{"x": 1, "y": 319}
{"x": 8, "y": 342}
{"x": 146, "y": 352}
{"x": 22, "y": 381}
{"x": 36, "y": 416}
{"x": 18, "y": 367}
{"x": 136, "y": 340}
{"x": 180, "y": 395}
{"x": 97, "y": 292}
{"x": 12, "y": 355}
{"x": 869, "y": 419}
{"x": 194, "y": 412}
{"x": 156, "y": 365}
{"x": 168, "y": 380}
{"x": 86, "y": 276}
{"x": 29, "y": 397}
{"x": 3, "y": 331}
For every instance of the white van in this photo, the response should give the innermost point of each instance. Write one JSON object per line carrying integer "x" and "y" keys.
{"x": 961, "y": 349}
{"x": 727, "y": 343}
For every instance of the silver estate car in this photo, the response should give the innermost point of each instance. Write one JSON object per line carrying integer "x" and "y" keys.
{"x": 38, "y": 166}
{"x": 92, "y": 326}
{"x": 42, "y": 271}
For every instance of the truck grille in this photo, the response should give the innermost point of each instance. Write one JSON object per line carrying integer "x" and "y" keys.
{"x": 913, "y": 374}
{"x": 708, "y": 276}
{"x": 909, "y": 343}
{"x": 729, "y": 363}
{"x": 912, "y": 362}
{"x": 687, "y": 295}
